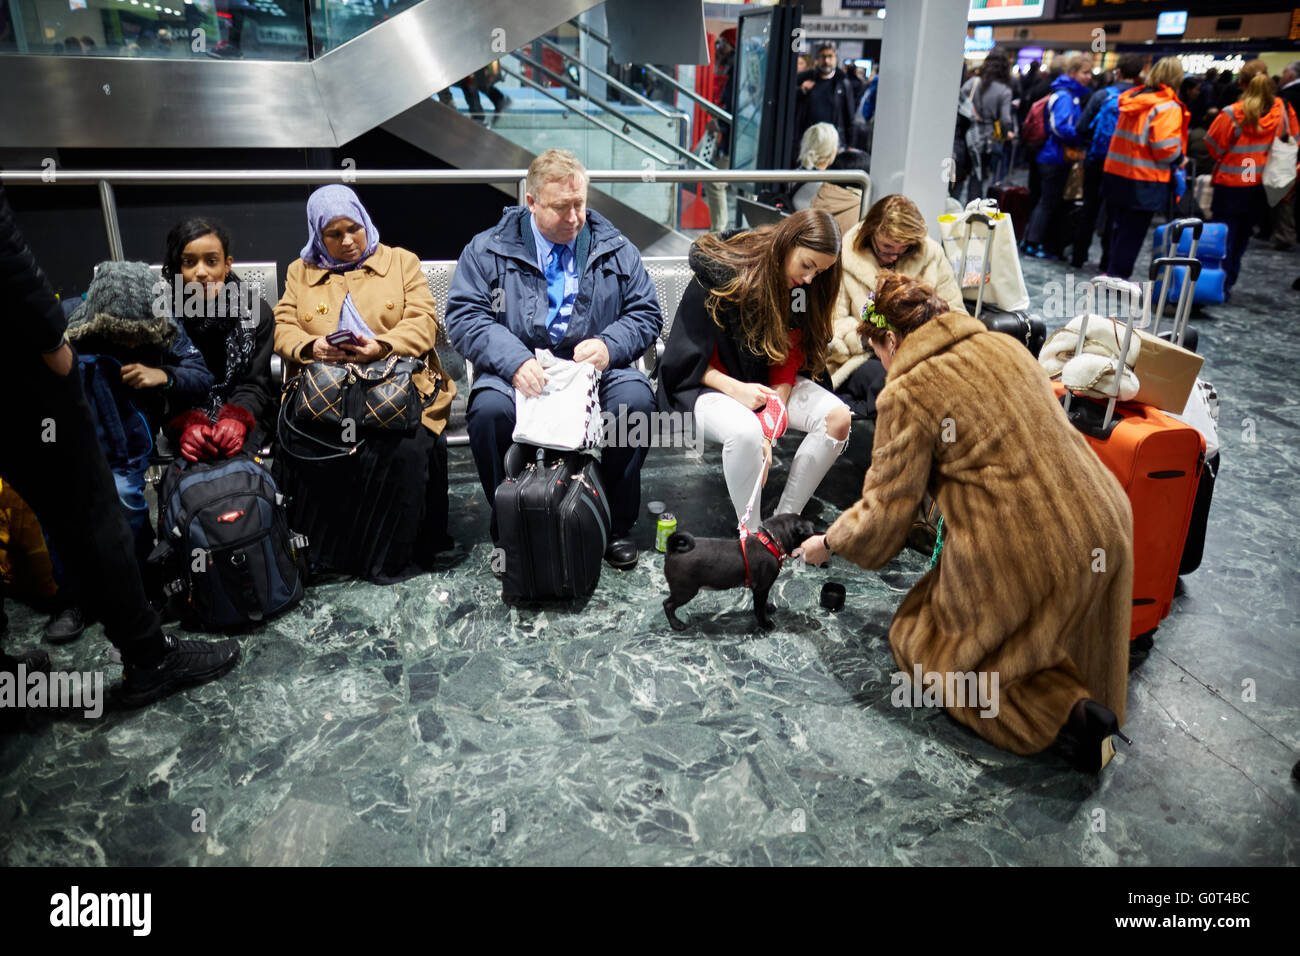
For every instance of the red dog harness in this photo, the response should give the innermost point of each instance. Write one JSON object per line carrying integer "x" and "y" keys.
{"x": 768, "y": 543}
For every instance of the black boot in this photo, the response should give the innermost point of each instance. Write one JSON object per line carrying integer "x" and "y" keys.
{"x": 1089, "y": 732}
{"x": 183, "y": 664}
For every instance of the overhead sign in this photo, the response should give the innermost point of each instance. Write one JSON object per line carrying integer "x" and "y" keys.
{"x": 982, "y": 11}
{"x": 843, "y": 28}
{"x": 1198, "y": 63}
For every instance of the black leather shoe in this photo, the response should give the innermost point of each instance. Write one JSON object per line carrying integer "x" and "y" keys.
{"x": 183, "y": 664}
{"x": 66, "y": 625}
{"x": 622, "y": 554}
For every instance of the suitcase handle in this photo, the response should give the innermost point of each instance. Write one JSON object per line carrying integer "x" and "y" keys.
{"x": 1183, "y": 311}
{"x": 974, "y": 216}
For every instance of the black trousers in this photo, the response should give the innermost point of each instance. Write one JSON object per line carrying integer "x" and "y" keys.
{"x": 1092, "y": 205}
{"x": 1045, "y": 222}
{"x": 50, "y": 453}
{"x": 1128, "y": 233}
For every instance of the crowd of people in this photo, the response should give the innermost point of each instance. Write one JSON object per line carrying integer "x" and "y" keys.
{"x": 1108, "y": 151}
{"x": 793, "y": 324}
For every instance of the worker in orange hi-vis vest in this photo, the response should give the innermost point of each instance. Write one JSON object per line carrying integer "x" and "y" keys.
{"x": 1149, "y": 144}
{"x": 1239, "y": 141}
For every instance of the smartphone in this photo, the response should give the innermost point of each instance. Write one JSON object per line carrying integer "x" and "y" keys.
{"x": 343, "y": 338}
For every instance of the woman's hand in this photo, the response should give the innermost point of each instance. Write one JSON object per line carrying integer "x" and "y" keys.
{"x": 322, "y": 351}
{"x": 370, "y": 350}
{"x": 814, "y": 550}
{"x": 751, "y": 394}
{"x": 143, "y": 376}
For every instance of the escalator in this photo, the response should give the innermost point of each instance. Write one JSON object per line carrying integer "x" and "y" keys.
{"x": 206, "y": 100}
{"x": 375, "y": 70}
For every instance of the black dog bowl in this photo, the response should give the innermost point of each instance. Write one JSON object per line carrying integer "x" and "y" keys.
{"x": 832, "y": 596}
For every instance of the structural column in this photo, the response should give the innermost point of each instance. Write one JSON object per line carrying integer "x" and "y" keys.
{"x": 916, "y": 102}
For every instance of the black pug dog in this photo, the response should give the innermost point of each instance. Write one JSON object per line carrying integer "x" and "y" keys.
{"x": 717, "y": 564}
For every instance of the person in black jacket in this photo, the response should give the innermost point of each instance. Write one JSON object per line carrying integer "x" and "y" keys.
{"x": 49, "y": 452}
{"x": 824, "y": 96}
{"x": 752, "y": 330}
{"x": 234, "y": 328}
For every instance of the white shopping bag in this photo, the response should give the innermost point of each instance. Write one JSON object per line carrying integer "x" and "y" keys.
{"x": 566, "y": 416}
{"x": 1202, "y": 413}
{"x": 1005, "y": 286}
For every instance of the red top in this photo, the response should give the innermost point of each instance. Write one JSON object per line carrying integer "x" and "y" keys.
{"x": 783, "y": 374}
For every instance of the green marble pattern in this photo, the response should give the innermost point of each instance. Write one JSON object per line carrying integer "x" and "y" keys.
{"x": 427, "y": 723}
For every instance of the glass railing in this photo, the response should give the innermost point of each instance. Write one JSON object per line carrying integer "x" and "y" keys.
{"x": 170, "y": 29}
{"x": 166, "y": 29}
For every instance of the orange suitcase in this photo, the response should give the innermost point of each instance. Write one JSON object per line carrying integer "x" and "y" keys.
{"x": 1158, "y": 461}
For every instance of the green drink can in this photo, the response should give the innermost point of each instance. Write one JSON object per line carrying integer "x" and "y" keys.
{"x": 666, "y": 525}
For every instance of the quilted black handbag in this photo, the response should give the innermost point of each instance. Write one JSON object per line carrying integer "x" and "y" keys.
{"x": 378, "y": 396}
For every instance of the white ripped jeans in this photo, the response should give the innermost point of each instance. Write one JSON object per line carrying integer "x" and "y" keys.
{"x": 722, "y": 419}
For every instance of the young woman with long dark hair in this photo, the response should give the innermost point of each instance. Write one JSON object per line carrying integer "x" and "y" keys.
{"x": 752, "y": 329}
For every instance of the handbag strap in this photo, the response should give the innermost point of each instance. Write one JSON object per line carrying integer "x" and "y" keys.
{"x": 285, "y": 422}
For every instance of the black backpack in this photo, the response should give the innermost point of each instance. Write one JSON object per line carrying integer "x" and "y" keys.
{"x": 225, "y": 544}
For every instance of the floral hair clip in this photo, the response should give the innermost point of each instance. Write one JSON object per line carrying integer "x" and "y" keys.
{"x": 869, "y": 314}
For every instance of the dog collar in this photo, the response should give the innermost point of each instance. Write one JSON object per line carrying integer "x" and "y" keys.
{"x": 767, "y": 542}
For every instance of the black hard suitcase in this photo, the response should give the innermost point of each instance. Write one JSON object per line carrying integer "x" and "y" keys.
{"x": 1029, "y": 329}
{"x": 553, "y": 520}
{"x": 1194, "y": 547}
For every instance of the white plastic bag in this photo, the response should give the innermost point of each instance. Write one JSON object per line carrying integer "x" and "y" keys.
{"x": 1006, "y": 283}
{"x": 1202, "y": 413}
{"x": 1279, "y": 168}
{"x": 566, "y": 416}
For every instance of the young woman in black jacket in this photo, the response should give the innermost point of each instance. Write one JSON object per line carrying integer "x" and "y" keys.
{"x": 234, "y": 328}
{"x": 752, "y": 329}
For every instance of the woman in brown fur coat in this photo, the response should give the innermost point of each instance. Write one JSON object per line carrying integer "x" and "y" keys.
{"x": 1035, "y": 579}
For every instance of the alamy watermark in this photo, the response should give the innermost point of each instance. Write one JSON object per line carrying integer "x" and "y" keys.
{"x": 947, "y": 689}
{"x": 1062, "y": 300}
{"x": 190, "y": 300}
{"x": 636, "y": 429}
{"x": 61, "y": 690}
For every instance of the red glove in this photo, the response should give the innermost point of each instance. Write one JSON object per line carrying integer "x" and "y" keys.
{"x": 228, "y": 434}
{"x": 773, "y": 417}
{"x": 197, "y": 443}
{"x": 232, "y": 427}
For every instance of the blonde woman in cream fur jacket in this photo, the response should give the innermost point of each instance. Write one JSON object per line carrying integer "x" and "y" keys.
{"x": 891, "y": 236}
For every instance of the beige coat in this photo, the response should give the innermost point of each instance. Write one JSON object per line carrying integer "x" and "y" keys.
{"x": 842, "y": 202}
{"x": 928, "y": 265}
{"x": 1035, "y": 582}
{"x": 393, "y": 297}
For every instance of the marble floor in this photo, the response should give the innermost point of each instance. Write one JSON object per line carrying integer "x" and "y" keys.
{"x": 427, "y": 723}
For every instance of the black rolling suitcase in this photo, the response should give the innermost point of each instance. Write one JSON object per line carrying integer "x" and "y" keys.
{"x": 553, "y": 520}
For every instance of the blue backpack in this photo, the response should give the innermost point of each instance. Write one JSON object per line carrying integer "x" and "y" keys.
{"x": 1103, "y": 125}
{"x": 225, "y": 544}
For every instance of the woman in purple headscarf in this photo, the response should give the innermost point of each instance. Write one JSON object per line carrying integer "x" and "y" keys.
{"x": 382, "y": 512}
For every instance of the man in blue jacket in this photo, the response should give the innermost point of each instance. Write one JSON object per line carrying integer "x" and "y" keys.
{"x": 1097, "y": 124}
{"x": 1069, "y": 90}
{"x": 559, "y": 277}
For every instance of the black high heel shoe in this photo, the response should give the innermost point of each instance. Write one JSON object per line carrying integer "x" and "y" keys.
{"x": 1092, "y": 731}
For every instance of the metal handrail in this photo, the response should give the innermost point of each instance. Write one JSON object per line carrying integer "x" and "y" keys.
{"x": 104, "y": 179}
{"x": 580, "y": 112}
{"x": 568, "y": 84}
{"x": 611, "y": 80}
{"x": 671, "y": 81}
